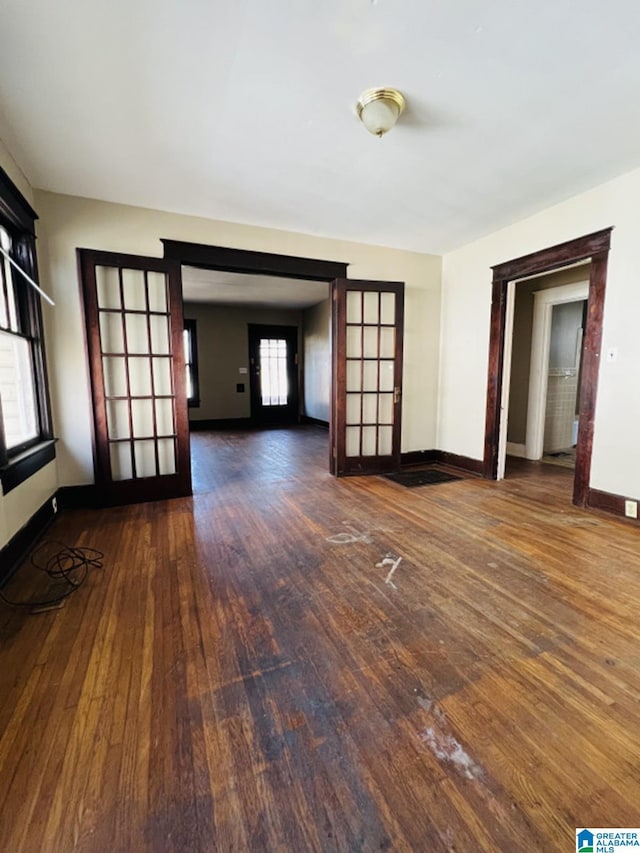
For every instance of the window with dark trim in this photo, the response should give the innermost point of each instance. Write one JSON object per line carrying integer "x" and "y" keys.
{"x": 191, "y": 362}
{"x": 26, "y": 439}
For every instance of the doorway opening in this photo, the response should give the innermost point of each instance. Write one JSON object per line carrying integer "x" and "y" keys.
{"x": 549, "y": 316}
{"x": 593, "y": 247}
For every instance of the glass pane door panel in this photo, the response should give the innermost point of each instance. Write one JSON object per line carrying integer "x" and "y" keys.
{"x": 354, "y": 375}
{"x": 157, "y": 285}
{"x": 354, "y": 306}
{"x": 371, "y": 310}
{"x": 385, "y": 412}
{"x": 140, "y": 377}
{"x": 115, "y": 377}
{"x": 162, "y": 376}
{"x": 111, "y": 337}
{"x": 145, "y": 458}
{"x": 387, "y": 342}
{"x": 388, "y": 308}
{"x": 386, "y": 376}
{"x": 159, "y": 334}
{"x": 370, "y": 348}
{"x": 353, "y": 441}
{"x": 370, "y": 370}
{"x": 133, "y": 290}
{"x": 354, "y": 342}
{"x": 142, "y": 418}
{"x": 108, "y": 287}
{"x": 385, "y": 440}
{"x": 117, "y": 419}
{"x": 370, "y": 409}
{"x": 137, "y": 335}
{"x": 369, "y": 435}
{"x": 120, "y": 458}
{"x": 166, "y": 456}
{"x": 354, "y": 406}
{"x": 164, "y": 417}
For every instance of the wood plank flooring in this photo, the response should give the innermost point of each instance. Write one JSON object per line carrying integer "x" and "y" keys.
{"x": 239, "y": 676}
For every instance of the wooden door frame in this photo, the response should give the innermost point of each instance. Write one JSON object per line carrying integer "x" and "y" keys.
{"x": 263, "y": 263}
{"x": 595, "y": 247}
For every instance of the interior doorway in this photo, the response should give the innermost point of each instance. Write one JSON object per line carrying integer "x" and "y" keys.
{"x": 365, "y": 404}
{"x": 593, "y": 247}
{"x": 549, "y": 317}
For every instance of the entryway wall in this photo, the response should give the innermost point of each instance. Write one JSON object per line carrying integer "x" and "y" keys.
{"x": 521, "y": 351}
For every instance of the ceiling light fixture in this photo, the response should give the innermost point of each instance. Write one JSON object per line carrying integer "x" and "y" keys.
{"x": 380, "y": 109}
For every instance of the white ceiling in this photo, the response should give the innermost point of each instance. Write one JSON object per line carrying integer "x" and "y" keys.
{"x": 260, "y": 291}
{"x": 244, "y": 110}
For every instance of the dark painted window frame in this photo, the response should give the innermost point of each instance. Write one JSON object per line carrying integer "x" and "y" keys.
{"x": 18, "y": 218}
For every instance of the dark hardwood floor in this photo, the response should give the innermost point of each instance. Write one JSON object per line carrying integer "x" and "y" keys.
{"x": 240, "y": 677}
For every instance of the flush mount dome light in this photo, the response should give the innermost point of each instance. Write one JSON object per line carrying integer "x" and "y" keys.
{"x": 379, "y": 109}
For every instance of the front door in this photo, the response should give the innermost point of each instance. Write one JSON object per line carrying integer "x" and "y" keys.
{"x": 133, "y": 316}
{"x": 367, "y": 376}
{"x": 273, "y": 359}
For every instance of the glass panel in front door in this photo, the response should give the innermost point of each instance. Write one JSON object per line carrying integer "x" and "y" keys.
{"x": 274, "y": 382}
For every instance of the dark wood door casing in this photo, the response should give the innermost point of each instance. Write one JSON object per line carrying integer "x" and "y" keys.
{"x": 596, "y": 248}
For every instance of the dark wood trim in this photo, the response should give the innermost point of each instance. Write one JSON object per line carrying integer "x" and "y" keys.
{"x": 221, "y": 423}
{"x": 14, "y": 206}
{"x": 554, "y": 257}
{"x": 78, "y": 497}
{"x": 418, "y": 457}
{"x": 596, "y": 247}
{"x": 23, "y": 466}
{"x": 17, "y": 548}
{"x": 587, "y": 392}
{"x": 245, "y": 261}
{"x": 464, "y": 463}
{"x": 494, "y": 381}
{"x": 609, "y": 502}
{"x": 307, "y": 419}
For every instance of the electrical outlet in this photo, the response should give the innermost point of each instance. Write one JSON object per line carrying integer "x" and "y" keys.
{"x": 54, "y": 504}
{"x": 631, "y": 509}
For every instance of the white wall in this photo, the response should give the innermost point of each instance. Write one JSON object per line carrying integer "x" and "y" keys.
{"x": 223, "y": 348}
{"x": 317, "y": 361}
{"x": 466, "y": 302}
{"x": 21, "y": 503}
{"x": 67, "y": 223}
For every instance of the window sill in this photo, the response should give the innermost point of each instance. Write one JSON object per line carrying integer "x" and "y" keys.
{"x": 25, "y": 464}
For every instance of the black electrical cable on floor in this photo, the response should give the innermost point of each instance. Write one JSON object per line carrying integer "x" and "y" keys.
{"x": 68, "y": 564}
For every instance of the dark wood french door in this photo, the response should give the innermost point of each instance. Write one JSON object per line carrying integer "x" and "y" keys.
{"x": 134, "y": 326}
{"x": 368, "y": 322}
{"x": 273, "y": 359}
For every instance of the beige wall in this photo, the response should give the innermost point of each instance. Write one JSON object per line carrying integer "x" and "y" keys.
{"x": 21, "y": 503}
{"x": 67, "y": 222}
{"x": 317, "y": 361}
{"x": 223, "y": 348}
{"x": 466, "y": 303}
